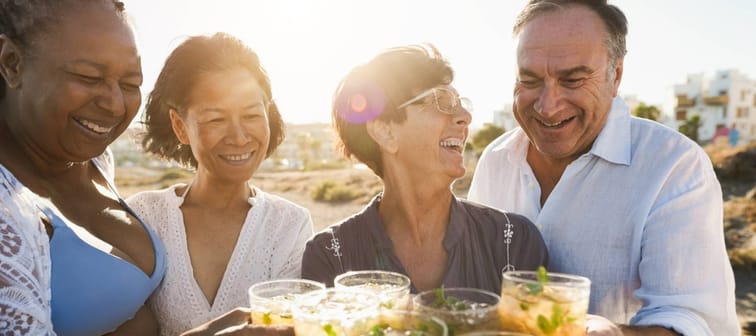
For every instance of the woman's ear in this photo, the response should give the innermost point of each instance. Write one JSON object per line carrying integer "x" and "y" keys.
{"x": 10, "y": 62}
{"x": 383, "y": 134}
{"x": 179, "y": 127}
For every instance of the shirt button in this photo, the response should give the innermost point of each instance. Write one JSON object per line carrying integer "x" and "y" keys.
{"x": 530, "y": 185}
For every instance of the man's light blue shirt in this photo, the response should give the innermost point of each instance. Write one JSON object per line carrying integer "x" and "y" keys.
{"x": 640, "y": 214}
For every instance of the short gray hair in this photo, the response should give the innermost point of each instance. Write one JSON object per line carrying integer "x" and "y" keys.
{"x": 613, "y": 18}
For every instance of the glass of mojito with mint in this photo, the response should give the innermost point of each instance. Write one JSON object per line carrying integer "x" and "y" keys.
{"x": 335, "y": 312}
{"x": 271, "y": 301}
{"x": 544, "y": 303}
{"x": 393, "y": 289}
{"x": 462, "y": 309}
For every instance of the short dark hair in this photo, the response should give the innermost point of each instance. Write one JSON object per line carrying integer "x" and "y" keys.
{"x": 196, "y": 56}
{"x": 613, "y": 18}
{"x": 23, "y": 21}
{"x": 386, "y": 81}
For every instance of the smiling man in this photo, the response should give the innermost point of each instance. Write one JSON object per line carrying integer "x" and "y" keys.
{"x": 626, "y": 202}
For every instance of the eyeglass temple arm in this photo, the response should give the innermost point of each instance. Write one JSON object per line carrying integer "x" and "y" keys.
{"x": 417, "y": 98}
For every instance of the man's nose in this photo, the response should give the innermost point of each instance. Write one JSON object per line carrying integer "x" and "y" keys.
{"x": 549, "y": 101}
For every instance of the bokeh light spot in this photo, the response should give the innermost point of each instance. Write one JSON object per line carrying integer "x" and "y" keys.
{"x": 359, "y": 103}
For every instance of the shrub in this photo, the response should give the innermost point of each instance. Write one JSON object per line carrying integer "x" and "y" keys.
{"x": 174, "y": 174}
{"x": 333, "y": 192}
{"x": 743, "y": 258}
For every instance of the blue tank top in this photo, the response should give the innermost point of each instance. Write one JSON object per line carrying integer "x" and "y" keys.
{"x": 94, "y": 292}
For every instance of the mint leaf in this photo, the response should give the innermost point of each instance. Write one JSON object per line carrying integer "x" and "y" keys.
{"x": 266, "y": 319}
{"x": 542, "y": 275}
{"x": 545, "y": 325}
{"x": 328, "y": 329}
{"x": 534, "y": 289}
{"x": 440, "y": 299}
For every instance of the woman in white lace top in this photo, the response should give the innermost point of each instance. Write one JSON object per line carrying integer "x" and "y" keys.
{"x": 212, "y": 109}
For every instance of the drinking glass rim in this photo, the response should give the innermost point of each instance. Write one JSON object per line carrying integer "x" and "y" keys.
{"x": 416, "y": 300}
{"x": 576, "y": 281}
{"x": 317, "y": 284}
{"x": 296, "y": 307}
{"x": 493, "y": 333}
{"x": 406, "y": 282}
{"x": 418, "y": 314}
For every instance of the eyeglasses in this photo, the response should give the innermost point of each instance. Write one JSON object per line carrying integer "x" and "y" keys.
{"x": 446, "y": 101}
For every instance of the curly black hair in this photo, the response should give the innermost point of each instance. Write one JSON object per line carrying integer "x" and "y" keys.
{"x": 22, "y": 21}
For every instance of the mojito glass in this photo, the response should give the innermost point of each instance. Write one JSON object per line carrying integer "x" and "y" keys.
{"x": 271, "y": 301}
{"x": 405, "y": 322}
{"x": 393, "y": 289}
{"x": 544, "y": 304}
{"x": 335, "y": 312}
{"x": 494, "y": 333}
{"x": 462, "y": 309}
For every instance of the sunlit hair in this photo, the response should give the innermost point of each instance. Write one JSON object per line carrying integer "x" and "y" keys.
{"x": 380, "y": 85}
{"x": 614, "y": 21}
{"x": 196, "y": 56}
{"x": 23, "y": 21}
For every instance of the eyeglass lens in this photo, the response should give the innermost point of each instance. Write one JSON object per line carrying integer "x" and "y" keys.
{"x": 448, "y": 102}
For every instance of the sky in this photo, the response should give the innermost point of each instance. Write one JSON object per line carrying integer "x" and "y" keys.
{"x": 307, "y": 46}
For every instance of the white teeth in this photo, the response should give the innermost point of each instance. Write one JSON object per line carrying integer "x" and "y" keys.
{"x": 451, "y": 142}
{"x": 237, "y": 157}
{"x": 556, "y": 124}
{"x": 94, "y": 127}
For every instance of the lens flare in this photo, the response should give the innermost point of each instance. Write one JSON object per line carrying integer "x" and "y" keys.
{"x": 360, "y": 102}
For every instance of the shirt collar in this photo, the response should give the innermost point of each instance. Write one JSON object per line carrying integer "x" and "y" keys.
{"x": 612, "y": 144}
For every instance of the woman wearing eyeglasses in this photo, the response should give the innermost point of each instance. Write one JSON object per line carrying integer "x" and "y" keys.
{"x": 400, "y": 115}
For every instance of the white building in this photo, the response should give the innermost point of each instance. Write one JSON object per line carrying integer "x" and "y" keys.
{"x": 725, "y": 100}
{"x": 504, "y": 118}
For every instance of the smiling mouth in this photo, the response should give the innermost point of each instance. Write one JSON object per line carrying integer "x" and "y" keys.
{"x": 237, "y": 157}
{"x": 93, "y": 126}
{"x": 457, "y": 145}
{"x": 556, "y": 124}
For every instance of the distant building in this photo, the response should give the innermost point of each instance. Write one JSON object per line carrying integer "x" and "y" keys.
{"x": 304, "y": 142}
{"x": 128, "y": 152}
{"x": 504, "y": 118}
{"x": 727, "y": 99}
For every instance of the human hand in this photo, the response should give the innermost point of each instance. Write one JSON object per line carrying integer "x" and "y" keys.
{"x": 256, "y": 330}
{"x": 237, "y": 323}
{"x": 600, "y": 326}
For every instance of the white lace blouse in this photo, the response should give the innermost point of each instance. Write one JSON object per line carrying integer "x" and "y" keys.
{"x": 24, "y": 262}
{"x": 25, "y": 266}
{"x": 270, "y": 246}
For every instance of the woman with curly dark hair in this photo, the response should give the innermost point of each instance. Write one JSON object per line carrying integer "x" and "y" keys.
{"x": 74, "y": 258}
